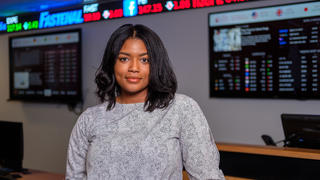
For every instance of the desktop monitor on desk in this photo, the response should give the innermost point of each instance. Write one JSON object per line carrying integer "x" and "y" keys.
{"x": 11, "y": 145}
{"x": 301, "y": 130}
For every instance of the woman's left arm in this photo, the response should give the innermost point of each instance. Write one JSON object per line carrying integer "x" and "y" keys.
{"x": 77, "y": 150}
{"x": 199, "y": 152}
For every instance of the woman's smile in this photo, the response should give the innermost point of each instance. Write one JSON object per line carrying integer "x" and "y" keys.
{"x": 133, "y": 79}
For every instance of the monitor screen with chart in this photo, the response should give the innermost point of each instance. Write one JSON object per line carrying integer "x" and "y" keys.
{"x": 270, "y": 52}
{"x": 46, "y": 67}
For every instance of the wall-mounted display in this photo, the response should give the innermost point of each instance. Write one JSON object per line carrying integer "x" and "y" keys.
{"x": 102, "y": 11}
{"x": 46, "y": 67}
{"x": 271, "y": 52}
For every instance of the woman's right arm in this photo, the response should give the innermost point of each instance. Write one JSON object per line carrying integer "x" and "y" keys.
{"x": 77, "y": 150}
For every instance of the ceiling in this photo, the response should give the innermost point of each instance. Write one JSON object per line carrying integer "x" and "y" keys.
{"x": 18, "y": 7}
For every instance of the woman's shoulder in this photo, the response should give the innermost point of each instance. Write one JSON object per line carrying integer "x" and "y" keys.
{"x": 97, "y": 108}
{"x": 186, "y": 106}
{"x": 184, "y": 100}
{"x": 92, "y": 111}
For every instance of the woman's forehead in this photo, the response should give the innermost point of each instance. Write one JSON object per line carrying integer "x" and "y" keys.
{"x": 133, "y": 44}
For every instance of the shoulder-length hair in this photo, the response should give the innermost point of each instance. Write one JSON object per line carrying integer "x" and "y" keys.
{"x": 162, "y": 80}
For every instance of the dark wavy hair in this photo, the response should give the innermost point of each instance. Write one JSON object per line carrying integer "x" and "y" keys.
{"x": 162, "y": 80}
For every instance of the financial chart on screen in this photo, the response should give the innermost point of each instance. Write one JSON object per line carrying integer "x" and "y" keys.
{"x": 271, "y": 52}
{"x": 46, "y": 67}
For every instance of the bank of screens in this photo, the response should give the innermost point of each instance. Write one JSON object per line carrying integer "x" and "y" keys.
{"x": 46, "y": 67}
{"x": 271, "y": 52}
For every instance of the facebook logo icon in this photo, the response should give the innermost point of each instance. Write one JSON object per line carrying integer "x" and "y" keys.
{"x": 130, "y": 8}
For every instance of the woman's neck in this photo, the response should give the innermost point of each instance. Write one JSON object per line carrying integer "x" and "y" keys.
{"x": 125, "y": 98}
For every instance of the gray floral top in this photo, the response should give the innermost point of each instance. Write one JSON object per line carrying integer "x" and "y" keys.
{"x": 127, "y": 143}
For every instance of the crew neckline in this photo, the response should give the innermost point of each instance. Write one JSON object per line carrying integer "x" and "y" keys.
{"x": 129, "y": 103}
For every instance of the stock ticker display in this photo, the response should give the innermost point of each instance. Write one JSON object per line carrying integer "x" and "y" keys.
{"x": 102, "y": 11}
{"x": 271, "y": 52}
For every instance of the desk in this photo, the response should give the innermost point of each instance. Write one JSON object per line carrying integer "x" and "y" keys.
{"x": 271, "y": 150}
{"x": 262, "y": 156}
{"x": 41, "y": 175}
{"x": 269, "y": 162}
{"x": 185, "y": 177}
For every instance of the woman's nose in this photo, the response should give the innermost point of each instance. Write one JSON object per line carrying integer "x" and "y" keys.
{"x": 134, "y": 66}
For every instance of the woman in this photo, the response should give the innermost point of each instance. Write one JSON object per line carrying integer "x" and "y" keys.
{"x": 142, "y": 130}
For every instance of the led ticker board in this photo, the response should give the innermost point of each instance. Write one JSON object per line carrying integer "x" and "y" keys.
{"x": 104, "y": 11}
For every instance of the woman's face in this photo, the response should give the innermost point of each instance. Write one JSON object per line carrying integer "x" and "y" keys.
{"x": 132, "y": 68}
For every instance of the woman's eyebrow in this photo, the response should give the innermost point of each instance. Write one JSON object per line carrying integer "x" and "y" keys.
{"x": 128, "y": 54}
{"x": 143, "y": 54}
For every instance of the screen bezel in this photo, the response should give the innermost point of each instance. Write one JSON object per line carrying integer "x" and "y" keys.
{"x": 59, "y": 99}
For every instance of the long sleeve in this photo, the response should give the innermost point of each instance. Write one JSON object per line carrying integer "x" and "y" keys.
{"x": 199, "y": 152}
{"x": 77, "y": 150}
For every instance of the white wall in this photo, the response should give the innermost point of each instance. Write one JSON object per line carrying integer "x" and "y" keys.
{"x": 185, "y": 34}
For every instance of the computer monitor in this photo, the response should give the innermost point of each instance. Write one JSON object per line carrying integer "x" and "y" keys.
{"x": 267, "y": 52}
{"x": 46, "y": 67}
{"x": 301, "y": 130}
{"x": 11, "y": 145}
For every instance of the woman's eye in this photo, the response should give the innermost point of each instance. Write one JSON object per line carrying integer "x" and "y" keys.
{"x": 145, "y": 60}
{"x": 123, "y": 59}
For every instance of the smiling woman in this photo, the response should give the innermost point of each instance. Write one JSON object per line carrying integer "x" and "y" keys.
{"x": 142, "y": 129}
{"x": 132, "y": 71}
{"x": 136, "y": 58}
